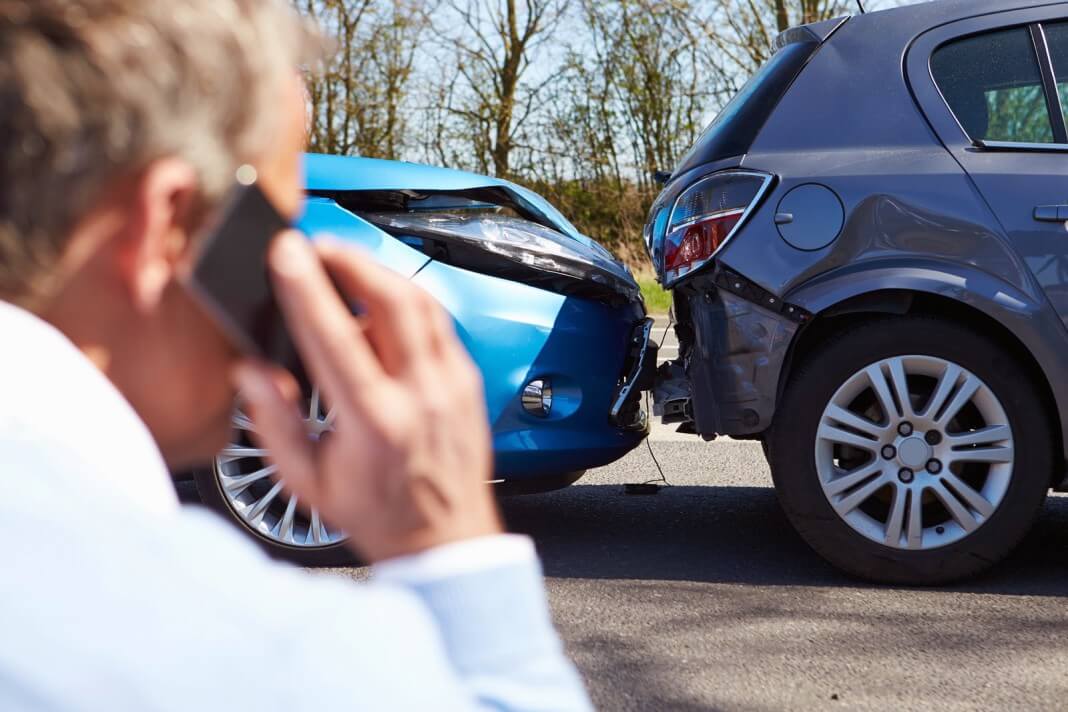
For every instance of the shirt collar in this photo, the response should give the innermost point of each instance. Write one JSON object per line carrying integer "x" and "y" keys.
{"x": 53, "y": 395}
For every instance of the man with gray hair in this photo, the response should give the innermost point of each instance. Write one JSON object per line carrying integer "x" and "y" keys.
{"x": 122, "y": 125}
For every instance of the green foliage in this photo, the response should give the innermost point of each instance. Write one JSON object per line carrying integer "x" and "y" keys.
{"x": 657, "y": 299}
{"x": 611, "y": 212}
{"x": 1018, "y": 114}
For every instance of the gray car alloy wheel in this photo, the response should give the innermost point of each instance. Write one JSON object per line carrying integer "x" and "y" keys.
{"x": 914, "y": 452}
{"x": 257, "y": 499}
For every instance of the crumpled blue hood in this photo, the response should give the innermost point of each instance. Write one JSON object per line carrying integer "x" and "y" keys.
{"x": 329, "y": 173}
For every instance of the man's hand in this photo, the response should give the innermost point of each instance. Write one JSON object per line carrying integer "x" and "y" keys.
{"x": 407, "y": 466}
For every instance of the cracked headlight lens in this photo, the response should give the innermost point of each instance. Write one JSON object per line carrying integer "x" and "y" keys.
{"x": 517, "y": 249}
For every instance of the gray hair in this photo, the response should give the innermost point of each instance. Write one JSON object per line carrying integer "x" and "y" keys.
{"x": 95, "y": 90}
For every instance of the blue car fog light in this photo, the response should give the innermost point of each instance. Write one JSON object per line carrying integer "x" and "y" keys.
{"x": 538, "y": 397}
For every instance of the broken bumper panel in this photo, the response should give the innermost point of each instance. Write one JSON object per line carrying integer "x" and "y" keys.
{"x": 734, "y": 338}
{"x": 640, "y": 368}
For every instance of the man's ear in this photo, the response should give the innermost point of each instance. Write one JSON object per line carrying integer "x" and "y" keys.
{"x": 156, "y": 234}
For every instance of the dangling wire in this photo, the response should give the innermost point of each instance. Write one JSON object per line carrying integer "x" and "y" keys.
{"x": 648, "y": 409}
{"x": 671, "y": 322}
{"x": 656, "y": 462}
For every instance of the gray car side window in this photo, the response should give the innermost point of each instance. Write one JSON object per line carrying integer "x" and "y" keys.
{"x": 993, "y": 85}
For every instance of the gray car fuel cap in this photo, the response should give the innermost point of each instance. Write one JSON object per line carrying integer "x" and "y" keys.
{"x": 810, "y": 217}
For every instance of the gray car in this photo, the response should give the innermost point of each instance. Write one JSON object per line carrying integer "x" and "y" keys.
{"x": 869, "y": 259}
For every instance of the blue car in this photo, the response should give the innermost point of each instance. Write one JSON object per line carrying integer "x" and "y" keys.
{"x": 555, "y": 323}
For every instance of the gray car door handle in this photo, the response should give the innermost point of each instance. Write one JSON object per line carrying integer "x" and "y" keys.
{"x": 1052, "y": 213}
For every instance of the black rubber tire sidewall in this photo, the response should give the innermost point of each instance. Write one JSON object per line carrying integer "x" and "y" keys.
{"x": 819, "y": 375}
{"x": 209, "y": 489}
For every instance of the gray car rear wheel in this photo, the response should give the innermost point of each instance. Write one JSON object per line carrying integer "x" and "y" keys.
{"x": 911, "y": 450}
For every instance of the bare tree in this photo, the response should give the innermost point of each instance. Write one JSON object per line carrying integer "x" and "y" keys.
{"x": 357, "y": 99}
{"x": 332, "y": 91}
{"x": 394, "y": 41}
{"x": 743, "y": 31}
{"x": 496, "y": 47}
{"x": 649, "y": 59}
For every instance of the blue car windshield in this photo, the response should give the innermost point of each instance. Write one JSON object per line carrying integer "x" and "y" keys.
{"x": 735, "y": 128}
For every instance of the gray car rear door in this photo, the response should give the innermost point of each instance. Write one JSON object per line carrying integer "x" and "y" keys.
{"x": 994, "y": 89}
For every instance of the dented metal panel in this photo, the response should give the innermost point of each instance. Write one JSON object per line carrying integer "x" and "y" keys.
{"x": 735, "y": 356}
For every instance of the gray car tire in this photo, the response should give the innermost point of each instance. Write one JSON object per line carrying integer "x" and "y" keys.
{"x": 795, "y": 437}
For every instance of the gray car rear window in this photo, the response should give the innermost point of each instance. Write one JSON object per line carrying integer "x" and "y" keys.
{"x": 993, "y": 85}
{"x": 736, "y": 126}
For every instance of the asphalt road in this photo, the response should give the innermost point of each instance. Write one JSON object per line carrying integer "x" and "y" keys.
{"x": 701, "y": 597}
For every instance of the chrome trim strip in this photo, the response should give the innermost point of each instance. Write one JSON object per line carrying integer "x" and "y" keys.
{"x": 709, "y": 216}
{"x": 1014, "y": 146}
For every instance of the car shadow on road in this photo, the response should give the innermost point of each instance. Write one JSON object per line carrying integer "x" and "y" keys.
{"x": 731, "y": 535}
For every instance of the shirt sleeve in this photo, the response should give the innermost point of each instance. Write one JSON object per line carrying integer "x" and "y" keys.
{"x": 487, "y": 598}
{"x": 461, "y": 627}
{"x": 458, "y": 559}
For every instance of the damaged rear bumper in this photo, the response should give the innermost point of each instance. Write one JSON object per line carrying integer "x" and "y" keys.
{"x": 734, "y": 339}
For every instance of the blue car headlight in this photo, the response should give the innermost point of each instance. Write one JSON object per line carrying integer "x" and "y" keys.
{"x": 514, "y": 248}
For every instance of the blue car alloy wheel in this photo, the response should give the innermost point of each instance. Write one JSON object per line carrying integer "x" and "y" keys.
{"x": 554, "y": 322}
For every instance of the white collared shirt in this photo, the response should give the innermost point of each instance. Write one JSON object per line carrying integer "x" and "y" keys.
{"x": 115, "y": 597}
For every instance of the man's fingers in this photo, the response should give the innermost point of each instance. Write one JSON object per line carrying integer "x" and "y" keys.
{"x": 397, "y": 318}
{"x": 443, "y": 335}
{"x": 330, "y": 342}
{"x": 279, "y": 427}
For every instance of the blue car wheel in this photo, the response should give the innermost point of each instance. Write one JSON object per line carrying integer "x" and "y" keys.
{"x": 240, "y": 485}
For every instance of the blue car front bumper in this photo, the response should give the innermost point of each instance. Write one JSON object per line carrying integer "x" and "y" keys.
{"x": 517, "y": 333}
{"x": 592, "y": 351}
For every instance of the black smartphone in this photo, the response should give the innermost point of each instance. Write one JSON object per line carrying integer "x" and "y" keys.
{"x": 229, "y": 275}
